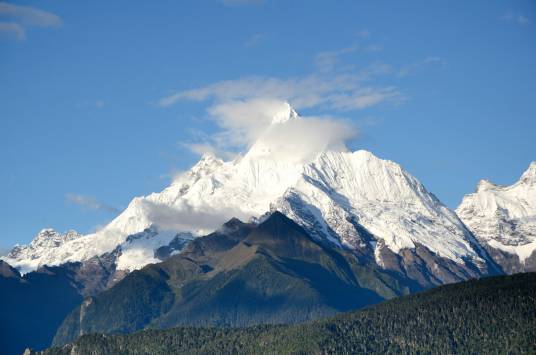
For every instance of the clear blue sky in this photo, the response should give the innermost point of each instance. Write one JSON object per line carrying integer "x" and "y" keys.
{"x": 82, "y": 130}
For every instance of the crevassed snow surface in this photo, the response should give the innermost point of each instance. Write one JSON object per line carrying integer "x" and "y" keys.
{"x": 504, "y": 217}
{"x": 332, "y": 185}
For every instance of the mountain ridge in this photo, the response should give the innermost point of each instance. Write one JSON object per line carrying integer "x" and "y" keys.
{"x": 273, "y": 272}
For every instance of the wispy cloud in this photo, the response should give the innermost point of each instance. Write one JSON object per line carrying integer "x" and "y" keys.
{"x": 90, "y": 203}
{"x": 314, "y": 90}
{"x": 327, "y": 60}
{"x": 15, "y": 19}
{"x": 13, "y": 29}
{"x": 333, "y": 84}
{"x": 416, "y": 66}
{"x": 515, "y": 18}
{"x": 363, "y": 33}
{"x": 254, "y": 40}
{"x": 241, "y": 2}
{"x": 244, "y": 107}
{"x": 330, "y": 61}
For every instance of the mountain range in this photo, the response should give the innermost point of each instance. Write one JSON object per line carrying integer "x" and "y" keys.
{"x": 283, "y": 234}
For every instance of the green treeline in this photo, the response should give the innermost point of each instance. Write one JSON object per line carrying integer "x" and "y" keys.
{"x": 488, "y": 316}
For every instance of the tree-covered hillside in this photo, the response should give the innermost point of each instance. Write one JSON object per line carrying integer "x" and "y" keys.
{"x": 488, "y": 316}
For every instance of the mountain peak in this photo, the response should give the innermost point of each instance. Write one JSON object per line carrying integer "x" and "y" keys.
{"x": 503, "y": 219}
{"x": 484, "y": 185}
{"x": 285, "y": 114}
{"x": 46, "y": 232}
{"x": 208, "y": 159}
{"x": 207, "y": 164}
{"x": 530, "y": 174}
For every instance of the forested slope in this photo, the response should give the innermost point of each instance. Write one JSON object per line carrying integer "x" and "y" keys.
{"x": 489, "y": 316}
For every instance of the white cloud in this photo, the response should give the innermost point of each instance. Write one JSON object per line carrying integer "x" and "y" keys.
{"x": 515, "y": 18}
{"x": 22, "y": 17}
{"x": 187, "y": 218}
{"x": 243, "y": 122}
{"x": 13, "y": 29}
{"x": 302, "y": 139}
{"x": 90, "y": 202}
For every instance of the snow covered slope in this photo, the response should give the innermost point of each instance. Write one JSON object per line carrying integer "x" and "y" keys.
{"x": 341, "y": 187}
{"x": 503, "y": 218}
{"x": 132, "y": 252}
{"x": 43, "y": 247}
{"x": 352, "y": 199}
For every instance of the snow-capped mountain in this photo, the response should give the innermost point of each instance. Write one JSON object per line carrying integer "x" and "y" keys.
{"x": 351, "y": 199}
{"x": 375, "y": 207}
{"x": 133, "y": 252}
{"x": 43, "y": 247}
{"x": 503, "y": 219}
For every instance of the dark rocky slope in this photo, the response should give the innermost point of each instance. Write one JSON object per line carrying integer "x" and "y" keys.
{"x": 240, "y": 275}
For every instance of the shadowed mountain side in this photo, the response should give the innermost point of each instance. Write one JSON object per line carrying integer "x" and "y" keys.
{"x": 240, "y": 275}
{"x": 32, "y": 307}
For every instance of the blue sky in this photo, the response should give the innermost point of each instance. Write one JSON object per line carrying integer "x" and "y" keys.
{"x": 96, "y": 97}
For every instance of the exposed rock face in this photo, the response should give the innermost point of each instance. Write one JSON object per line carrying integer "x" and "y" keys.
{"x": 7, "y": 271}
{"x": 427, "y": 268}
